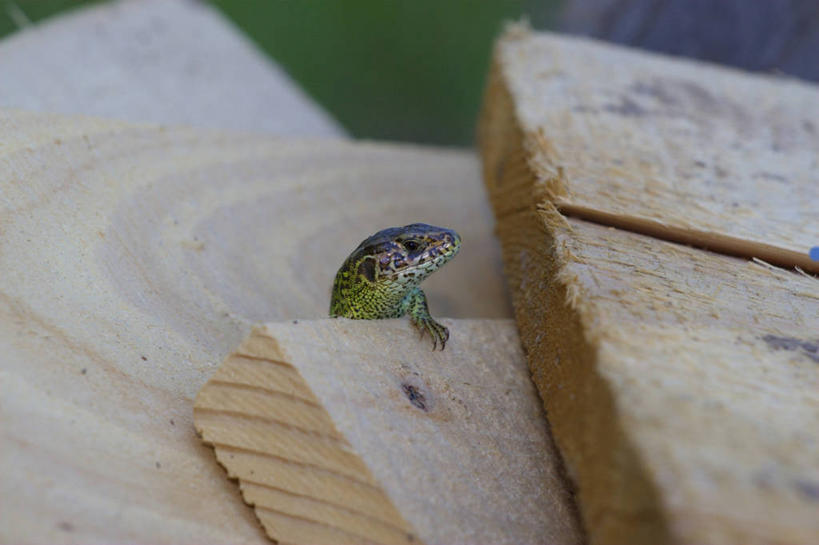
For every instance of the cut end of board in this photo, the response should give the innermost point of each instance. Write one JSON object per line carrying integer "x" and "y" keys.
{"x": 299, "y": 473}
{"x": 350, "y": 431}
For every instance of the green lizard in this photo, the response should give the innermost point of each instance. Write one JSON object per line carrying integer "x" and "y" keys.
{"x": 380, "y": 278}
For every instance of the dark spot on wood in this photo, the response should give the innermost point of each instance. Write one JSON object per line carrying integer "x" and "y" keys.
{"x": 84, "y": 371}
{"x": 172, "y": 422}
{"x": 158, "y": 465}
{"x": 410, "y": 537}
{"x": 678, "y": 97}
{"x": 655, "y": 90}
{"x": 367, "y": 269}
{"x": 770, "y": 176}
{"x": 144, "y": 358}
{"x": 809, "y": 349}
{"x": 808, "y": 126}
{"x": 583, "y": 109}
{"x": 785, "y": 343}
{"x": 415, "y": 396}
{"x": 808, "y": 489}
{"x": 700, "y": 164}
{"x": 627, "y": 107}
{"x": 295, "y": 321}
{"x": 699, "y": 95}
{"x": 65, "y": 526}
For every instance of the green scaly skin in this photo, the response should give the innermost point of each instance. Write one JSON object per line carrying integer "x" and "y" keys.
{"x": 380, "y": 278}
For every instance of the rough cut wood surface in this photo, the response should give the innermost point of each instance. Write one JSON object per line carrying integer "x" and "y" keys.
{"x": 680, "y": 145}
{"x": 133, "y": 259}
{"x": 158, "y": 61}
{"x": 344, "y": 431}
{"x": 682, "y": 386}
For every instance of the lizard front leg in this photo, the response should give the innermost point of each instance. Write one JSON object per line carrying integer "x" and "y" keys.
{"x": 415, "y": 305}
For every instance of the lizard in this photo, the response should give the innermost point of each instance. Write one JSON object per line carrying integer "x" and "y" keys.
{"x": 381, "y": 277}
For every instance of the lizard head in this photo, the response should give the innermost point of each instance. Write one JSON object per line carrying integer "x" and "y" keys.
{"x": 406, "y": 255}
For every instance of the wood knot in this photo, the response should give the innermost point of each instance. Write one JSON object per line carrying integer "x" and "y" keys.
{"x": 416, "y": 395}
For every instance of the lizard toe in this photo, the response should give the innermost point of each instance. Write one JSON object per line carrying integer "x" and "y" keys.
{"x": 439, "y": 333}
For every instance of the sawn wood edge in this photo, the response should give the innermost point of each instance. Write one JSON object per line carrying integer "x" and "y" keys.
{"x": 298, "y": 472}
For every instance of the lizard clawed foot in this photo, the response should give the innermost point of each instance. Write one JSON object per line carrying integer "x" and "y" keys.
{"x": 438, "y": 332}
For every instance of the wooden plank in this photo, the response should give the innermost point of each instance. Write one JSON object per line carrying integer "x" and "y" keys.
{"x": 133, "y": 259}
{"x": 157, "y": 61}
{"x": 679, "y": 383}
{"x": 679, "y": 149}
{"x": 440, "y": 447}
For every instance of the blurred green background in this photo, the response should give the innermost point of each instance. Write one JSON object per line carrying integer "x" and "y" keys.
{"x": 408, "y": 70}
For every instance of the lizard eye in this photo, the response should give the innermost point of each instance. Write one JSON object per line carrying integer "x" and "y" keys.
{"x": 411, "y": 245}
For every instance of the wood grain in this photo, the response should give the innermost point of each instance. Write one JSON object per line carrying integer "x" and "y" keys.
{"x": 158, "y": 61}
{"x": 134, "y": 258}
{"x": 680, "y": 384}
{"x": 344, "y": 431}
{"x": 680, "y": 145}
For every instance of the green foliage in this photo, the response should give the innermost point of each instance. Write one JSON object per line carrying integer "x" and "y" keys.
{"x": 402, "y": 70}
{"x": 33, "y": 11}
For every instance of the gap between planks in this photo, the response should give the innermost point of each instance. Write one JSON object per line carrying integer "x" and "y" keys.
{"x": 707, "y": 240}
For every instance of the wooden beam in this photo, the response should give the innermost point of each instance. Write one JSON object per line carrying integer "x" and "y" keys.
{"x": 708, "y": 154}
{"x": 679, "y": 383}
{"x": 348, "y": 431}
{"x": 134, "y": 258}
{"x": 154, "y": 61}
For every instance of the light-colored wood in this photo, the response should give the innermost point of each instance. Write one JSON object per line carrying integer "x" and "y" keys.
{"x": 133, "y": 259}
{"x": 387, "y": 441}
{"x": 158, "y": 61}
{"x": 708, "y": 153}
{"x": 682, "y": 386}
{"x": 710, "y": 240}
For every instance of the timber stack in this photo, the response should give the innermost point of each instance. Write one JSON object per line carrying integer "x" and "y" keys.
{"x": 681, "y": 381}
{"x": 654, "y": 218}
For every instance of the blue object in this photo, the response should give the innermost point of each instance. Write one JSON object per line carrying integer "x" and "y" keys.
{"x": 814, "y": 253}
